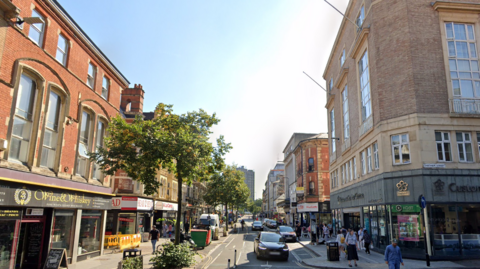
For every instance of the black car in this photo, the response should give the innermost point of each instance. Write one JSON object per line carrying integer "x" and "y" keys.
{"x": 270, "y": 245}
{"x": 257, "y": 225}
{"x": 271, "y": 224}
{"x": 287, "y": 233}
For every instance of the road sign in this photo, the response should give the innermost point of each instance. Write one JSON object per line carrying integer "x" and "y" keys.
{"x": 423, "y": 202}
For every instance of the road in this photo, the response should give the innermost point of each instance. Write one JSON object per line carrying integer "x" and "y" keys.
{"x": 242, "y": 242}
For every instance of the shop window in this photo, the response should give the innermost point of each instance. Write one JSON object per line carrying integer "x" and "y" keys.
{"x": 63, "y": 230}
{"x": 126, "y": 223}
{"x": 469, "y": 227}
{"x": 50, "y": 136}
{"x": 407, "y": 228}
{"x": 8, "y": 229}
{"x": 90, "y": 226}
{"x": 445, "y": 230}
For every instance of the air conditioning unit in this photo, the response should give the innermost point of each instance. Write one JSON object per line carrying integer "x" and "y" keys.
{"x": 3, "y": 144}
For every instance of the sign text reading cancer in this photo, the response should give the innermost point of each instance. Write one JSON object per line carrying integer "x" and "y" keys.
{"x": 41, "y": 195}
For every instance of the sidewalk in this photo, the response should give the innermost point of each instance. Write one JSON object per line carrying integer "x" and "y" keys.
{"x": 375, "y": 260}
{"x": 111, "y": 259}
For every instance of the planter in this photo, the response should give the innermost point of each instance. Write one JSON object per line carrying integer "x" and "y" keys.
{"x": 131, "y": 263}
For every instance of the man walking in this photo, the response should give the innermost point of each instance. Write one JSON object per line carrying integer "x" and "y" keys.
{"x": 393, "y": 255}
{"x": 154, "y": 236}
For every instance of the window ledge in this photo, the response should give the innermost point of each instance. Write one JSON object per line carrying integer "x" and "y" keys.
{"x": 343, "y": 75}
{"x": 400, "y": 164}
{"x": 361, "y": 37}
{"x": 459, "y": 7}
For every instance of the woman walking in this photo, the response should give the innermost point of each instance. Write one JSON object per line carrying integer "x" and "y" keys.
{"x": 351, "y": 241}
{"x": 341, "y": 245}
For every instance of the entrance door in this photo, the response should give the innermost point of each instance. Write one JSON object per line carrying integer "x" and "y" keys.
{"x": 30, "y": 243}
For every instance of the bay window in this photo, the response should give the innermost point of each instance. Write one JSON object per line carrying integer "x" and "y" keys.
{"x": 50, "y": 136}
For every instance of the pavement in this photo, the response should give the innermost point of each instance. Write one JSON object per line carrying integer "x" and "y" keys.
{"x": 374, "y": 260}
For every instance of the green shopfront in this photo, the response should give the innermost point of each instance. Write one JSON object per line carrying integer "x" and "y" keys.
{"x": 389, "y": 208}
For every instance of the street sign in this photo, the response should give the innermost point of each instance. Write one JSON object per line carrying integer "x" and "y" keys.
{"x": 422, "y": 202}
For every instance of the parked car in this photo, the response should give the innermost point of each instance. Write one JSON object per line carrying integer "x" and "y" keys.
{"x": 287, "y": 233}
{"x": 257, "y": 225}
{"x": 265, "y": 221}
{"x": 271, "y": 224}
{"x": 270, "y": 245}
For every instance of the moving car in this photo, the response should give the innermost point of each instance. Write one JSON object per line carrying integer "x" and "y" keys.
{"x": 287, "y": 233}
{"x": 272, "y": 224}
{"x": 270, "y": 245}
{"x": 265, "y": 221}
{"x": 257, "y": 225}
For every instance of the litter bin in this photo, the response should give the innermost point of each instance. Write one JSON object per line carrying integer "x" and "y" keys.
{"x": 200, "y": 237}
{"x": 332, "y": 252}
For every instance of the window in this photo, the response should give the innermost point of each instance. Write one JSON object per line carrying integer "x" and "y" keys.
{"x": 343, "y": 174}
{"x": 97, "y": 171}
{"x": 464, "y": 142}
{"x": 62, "y": 49}
{"x": 342, "y": 58}
{"x": 36, "y": 29}
{"x": 443, "y": 146}
{"x": 376, "y": 161}
{"x": 90, "y": 228}
{"x": 365, "y": 86}
{"x": 311, "y": 189}
{"x": 346, "y": 124}
{"x": 331, "y": 180}
{"x": 463, "y": 60}
{"x": 362, "y": 162}
{"x": 50, "y": 136}
{"x": 92, "y": 71}
{"x": 350, "y": 167}
{"x": 361, "y": 17}
{"x": 163, "y": 187}
{"x": 478, "y": 141}
{"x": 332, "y": 126}
{"x": 174, "y": 191}
{"x": 83, "y": 144}
{"x": 105, "y": 87}
{"x": 354, "y": 167}
{"x": 330, "y": 85}
{"x": 369, "y": 159}
{"x": 400, "y": 149}
{"x": 347, "y": 170}
{"x": 22, "y": 123}
{"x": 311, "y": 166}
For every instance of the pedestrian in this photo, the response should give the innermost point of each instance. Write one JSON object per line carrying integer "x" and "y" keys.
{"x": 393, "y": 255}
{"x": 154, "y": 236}
{"x": 344, "y": 231}
{"x": 351, "y": 241}
{"x": 170, "y": 230}
{"x": 165, "y": 229}
{"x": 326, "y": 232}
{"x": 360, "y": 239}
{"x": 341, "y": 245}
{"x": 367, "y": 240}
{"x": 313, "y": 230}
{"x": 298, "y": 231}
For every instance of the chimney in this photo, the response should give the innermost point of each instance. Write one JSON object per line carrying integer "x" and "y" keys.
{"x": 132, "y": 99}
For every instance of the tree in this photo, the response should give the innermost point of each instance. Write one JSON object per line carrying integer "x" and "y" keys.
{"x": 254, "y": 206}
{"x": 179, "y": 143}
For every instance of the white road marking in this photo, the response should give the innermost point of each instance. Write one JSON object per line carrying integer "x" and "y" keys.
{"x": 266, "y": 265}
{"x": 214, "y": 259}
{"x": 296, "y": 256}
{"x": 239, "y": 255}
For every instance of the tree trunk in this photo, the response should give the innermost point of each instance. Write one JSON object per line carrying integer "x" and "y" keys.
{"x": 179, "y": 212}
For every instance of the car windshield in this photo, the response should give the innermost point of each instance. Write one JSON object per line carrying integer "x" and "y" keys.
{"x": 207, "y": 222}
{"x": 286, "y": 229}
{"x": 272, "y": 222}
{"x": 271, "y": 238}
{"x": 257, "y": 222}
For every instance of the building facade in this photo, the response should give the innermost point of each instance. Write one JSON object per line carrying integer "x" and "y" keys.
{"x": 312, "y": 178}
{"x": 403, "y": 109}
{"x": 58, "y": 92}
{"x": 290, "y": 174}
{"x": 249, "y": 180}
{"x": 270, "y": 190}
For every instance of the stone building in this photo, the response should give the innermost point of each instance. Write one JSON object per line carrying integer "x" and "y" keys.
{"x": 403, "y": 108}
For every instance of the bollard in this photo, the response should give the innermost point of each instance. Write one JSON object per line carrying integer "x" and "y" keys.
{"x": 235, "y": 260}
{"x": 228, "y": 264}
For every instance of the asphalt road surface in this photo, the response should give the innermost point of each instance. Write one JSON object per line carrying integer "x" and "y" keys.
{"x": 242, "y": 242}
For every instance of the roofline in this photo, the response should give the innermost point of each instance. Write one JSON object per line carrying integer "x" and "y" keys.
{"x": 85, "y": 38}
{"x": 337, "y": 38}
{"x": 293, "y": 135}
{"x": 308, "y": 139}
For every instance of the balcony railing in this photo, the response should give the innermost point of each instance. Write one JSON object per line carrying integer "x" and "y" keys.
{"x": 465, "y": 106}
{"x": 366, "y": 125}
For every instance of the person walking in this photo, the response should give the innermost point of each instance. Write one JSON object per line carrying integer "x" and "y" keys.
{"x": 367, "y": 240}
{"x": 352, "y": 254}
{"x": 360, "y": 239}
{"x": 393, "y": 255}
{"x": 341, "y": 244}
{"x": 165, "y": 229}
{"x": 313, "y": 230}
{"x": 326, "y": 232}
{"x": 170, "y": 230}
{"x": 154, "y": 235}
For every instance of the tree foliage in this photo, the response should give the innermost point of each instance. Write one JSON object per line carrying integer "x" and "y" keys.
{"x": 177, "y": 142}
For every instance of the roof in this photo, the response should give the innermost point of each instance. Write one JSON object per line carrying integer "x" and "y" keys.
{"x": 300, "y": 136}
{"x": 148, "y": 115}
{"x": 85, "y": 38}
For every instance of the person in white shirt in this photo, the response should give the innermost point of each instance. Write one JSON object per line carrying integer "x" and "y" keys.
{"x": 341, "y": 244}
{"x": 360, "y": 239}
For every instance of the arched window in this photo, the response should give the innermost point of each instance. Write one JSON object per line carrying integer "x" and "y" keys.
{"x": 128, "y": 108}
{"x": 84, "y": 143}
{"x": 52, "y": 131}
{"x": 99, "y": 136}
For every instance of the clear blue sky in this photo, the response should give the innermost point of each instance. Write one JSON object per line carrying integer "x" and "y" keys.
{"x": 241, "y": 59}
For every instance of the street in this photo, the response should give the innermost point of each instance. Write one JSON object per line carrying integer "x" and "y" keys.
{"x": 242, "y": 242}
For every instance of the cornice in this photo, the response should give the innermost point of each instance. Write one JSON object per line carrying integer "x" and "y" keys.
{"x": 11, "y": 11}
{"x": 343, "y": 75}
{"x": 359, "y": 42}
{"x": 456, "y": 6}
{"x": 331, "y": 98}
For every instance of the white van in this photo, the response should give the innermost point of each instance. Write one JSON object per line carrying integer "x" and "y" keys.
{"x": 213, "y": 221}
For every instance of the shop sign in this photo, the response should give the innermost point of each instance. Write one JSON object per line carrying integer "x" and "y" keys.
{"x": 307, "y": 207}
{"x": 117, "y": 203}
{"x": 413, "y": 208}
{"x": 13, "y": 194}
{"x": 144, "y": 204}
{"x": 439, "y": 187}
{"x": 34, "y": 212}
{"x": 466, "y": 188}
{"x": 10, "y": 214}
{"x": 131, "y": 203}
{"x": 300, "y": 190}
{"x": 165, "y": 206}
{"x": 354, "y": 197}
{"x": 402, "y": 187}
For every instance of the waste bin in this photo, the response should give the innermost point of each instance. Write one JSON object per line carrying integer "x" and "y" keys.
{"x": 332, "y": 252}
{"x": 200, "y": 237}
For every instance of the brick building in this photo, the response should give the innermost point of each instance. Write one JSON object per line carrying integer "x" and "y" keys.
{"x": 313, "y": 183}
{"x": 58, "y": 92}
{"x": 403, "y": 109}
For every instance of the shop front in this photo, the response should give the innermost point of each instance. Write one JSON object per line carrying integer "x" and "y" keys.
{"x": 36, "y": 218}
{"x": 389, "y": 209}
{"x": 129, "y": 215}
{"x": 165, "y": 210}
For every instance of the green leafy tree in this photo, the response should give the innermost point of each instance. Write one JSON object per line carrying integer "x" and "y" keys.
{"x": 177, "y": 142}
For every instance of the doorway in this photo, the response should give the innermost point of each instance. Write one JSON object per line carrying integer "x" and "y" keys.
{"x": 30, "y": 243}
{"x": 352, "y": 220}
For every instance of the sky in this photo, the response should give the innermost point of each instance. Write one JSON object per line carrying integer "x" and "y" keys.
{"x": 243, "y": 60}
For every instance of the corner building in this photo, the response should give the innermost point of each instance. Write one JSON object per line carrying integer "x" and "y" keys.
{"x": 404, "y": 116}
{"x": 58, "y": 92}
